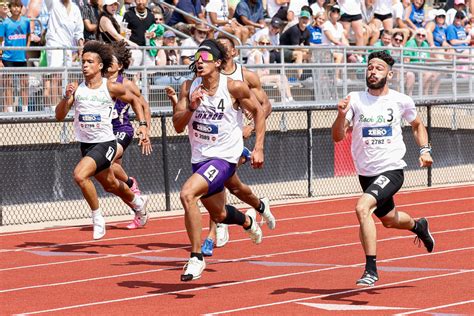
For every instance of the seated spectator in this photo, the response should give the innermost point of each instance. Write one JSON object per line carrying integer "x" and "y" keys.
{"x": 371, "y": 25}
{"x": 109, "y": 29}
{"x": 385, "y": 41}
{"x": 456, "y": 34}
{"x": 318, "y": 6}
{"x": 414, "y": 54}
{"x": 297, "y": 35}
{"x": 90, "y": 15}
{"x": 315, "y": 29}
{"x": 294, "y": 11}
{"x": 398, "y": 16}
{"x": 250, "y": 14}
{"x": 14, "y": 31}
{"x": 218, "y": 15}
{"x": 383, "y": 13}
{"x": 436, "y": 33}
{"x": 273, "y": 33}
{"x": 169, "y": 57}
{"x": 459, "y": 6}
{"x": 261, "y": 56}
{"x": 199, "y": 33}
{"x": 397, "y": 41}
{"x": 415, "y": 15}
{"x": 193, "y": 7}
{"x": 351, "y": 18}
{"x": 278, "y": 8}
{"x": 334, "y": 35}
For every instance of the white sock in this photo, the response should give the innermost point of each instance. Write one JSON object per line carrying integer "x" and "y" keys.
{"x": 137, "y": 202}
{"x": 97, "y": 213}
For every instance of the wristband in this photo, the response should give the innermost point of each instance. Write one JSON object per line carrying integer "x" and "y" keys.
{"x": 65, "y": 97}
{"x": 143, "y": 123}
{"x": 425, "y": 149}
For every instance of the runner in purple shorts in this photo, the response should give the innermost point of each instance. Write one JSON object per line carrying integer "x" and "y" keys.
{"x": 122, "y": 126}
{"x": 208, "y": 106}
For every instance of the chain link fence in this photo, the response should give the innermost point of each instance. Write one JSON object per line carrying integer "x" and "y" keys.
{"x": 38, "y": 156}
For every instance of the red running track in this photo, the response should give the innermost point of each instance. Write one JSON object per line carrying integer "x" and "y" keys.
{"x": 307, "y": 265}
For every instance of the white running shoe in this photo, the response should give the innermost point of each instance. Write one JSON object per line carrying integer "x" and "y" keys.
{"x": 140, "y": 220}
{"x": 193, "y": 269}
{"x": 222, "y": 235}
{"x": 255, "y": 232}
{"x": 99, "y": 227}
{"x": 267, "y": 214}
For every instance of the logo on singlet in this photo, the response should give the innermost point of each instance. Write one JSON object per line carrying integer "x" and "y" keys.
{"x": 379, "y": 131}
{"x": 89, "y": 118}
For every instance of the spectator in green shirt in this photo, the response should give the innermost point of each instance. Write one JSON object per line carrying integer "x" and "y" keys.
{"x": 416, "y": 52}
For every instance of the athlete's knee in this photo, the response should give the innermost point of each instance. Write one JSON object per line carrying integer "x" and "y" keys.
{"x": 80, "y": 178}
{"x": 362, "y": 211}
{"x": 111, "y": 186}
{"x": 187, "y": 197}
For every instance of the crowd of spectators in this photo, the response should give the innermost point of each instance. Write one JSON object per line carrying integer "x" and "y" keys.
{"x": 443, "y": 28}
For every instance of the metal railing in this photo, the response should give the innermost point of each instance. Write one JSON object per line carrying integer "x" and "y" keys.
{"x": 38, "y": 156}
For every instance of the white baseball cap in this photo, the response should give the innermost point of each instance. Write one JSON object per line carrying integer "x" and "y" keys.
{"x": 109, "y": 2}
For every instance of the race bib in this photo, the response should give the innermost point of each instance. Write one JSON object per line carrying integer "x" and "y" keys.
{"x": 205, "y": 133}
{"x": 89, "y": 121}
{"x": 380, "y": 135}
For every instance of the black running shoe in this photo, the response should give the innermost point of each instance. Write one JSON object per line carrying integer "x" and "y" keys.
{"x": 424, "y": 235}
{"x": 367, "y": 279}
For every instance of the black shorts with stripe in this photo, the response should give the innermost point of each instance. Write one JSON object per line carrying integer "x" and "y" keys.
{"x": 383, "y": 187}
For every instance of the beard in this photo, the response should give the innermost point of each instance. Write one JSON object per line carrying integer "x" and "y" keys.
{"x": 376, "y": 85}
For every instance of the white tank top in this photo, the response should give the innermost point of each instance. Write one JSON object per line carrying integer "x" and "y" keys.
{"x": 93, "y": 114}
{"x": 215, "y": 129}
{"x": 238, "y": 73}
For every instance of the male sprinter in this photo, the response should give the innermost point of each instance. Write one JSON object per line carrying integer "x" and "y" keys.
{"x": 209, "y": 107}
{"x": 378, "y": 149}
{"x": 93, "y": 102}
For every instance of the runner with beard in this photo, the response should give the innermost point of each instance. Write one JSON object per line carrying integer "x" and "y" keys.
{"x": 378, "y": 150}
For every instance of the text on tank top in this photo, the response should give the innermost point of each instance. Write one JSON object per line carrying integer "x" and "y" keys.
{"x": 93, "y": 114}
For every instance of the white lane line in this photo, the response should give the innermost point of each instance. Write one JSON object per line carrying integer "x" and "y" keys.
{"x": 264, "y": 279}
{"x": 236, "y": 240}
{"x": 253, "y": 257}
{"x": 435, "y": 308}
{"x": 181, "y": 231}
{"x": 279, "y": 205}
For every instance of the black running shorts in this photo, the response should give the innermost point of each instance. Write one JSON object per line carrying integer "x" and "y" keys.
{"x": 383, "y": 187}
{"x": 102, "y": 153}
{"x": 350, "y": 18}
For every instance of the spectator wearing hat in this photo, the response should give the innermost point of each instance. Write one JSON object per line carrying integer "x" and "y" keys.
{"x": 109, "y": 29}
{"x": 459, "y": 6}
{"x": 199, "y": 33}
{"x": 436, "y": 33}
{"x": 273, "y": 33}
{"x": 218, "y": 14}
{"x": 65, "y": 29}
{"x": 414, "y": 15}
{"x": 416, "y": 52}
{"x": 456, "y": 34}
{"x": 297, "y": 35}
{"x": 250, "y": 14}
{"x": 168, "y": 57}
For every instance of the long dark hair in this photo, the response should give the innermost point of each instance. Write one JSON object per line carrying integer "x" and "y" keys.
{"x": 111, "y": 18}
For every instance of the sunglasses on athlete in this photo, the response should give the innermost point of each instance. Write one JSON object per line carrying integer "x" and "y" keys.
{"x": 204, "y": 55}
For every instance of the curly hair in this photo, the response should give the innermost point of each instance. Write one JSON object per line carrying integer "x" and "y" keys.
{"x": 103, "y": 50}
{"x": 123, "y": 54}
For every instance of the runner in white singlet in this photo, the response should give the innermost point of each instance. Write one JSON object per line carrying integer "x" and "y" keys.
{"x": 93, "y": 106}
{"x": 219, "y": 234}
{"x": 378, "y": 149}
{"x": 209, "y": 107}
